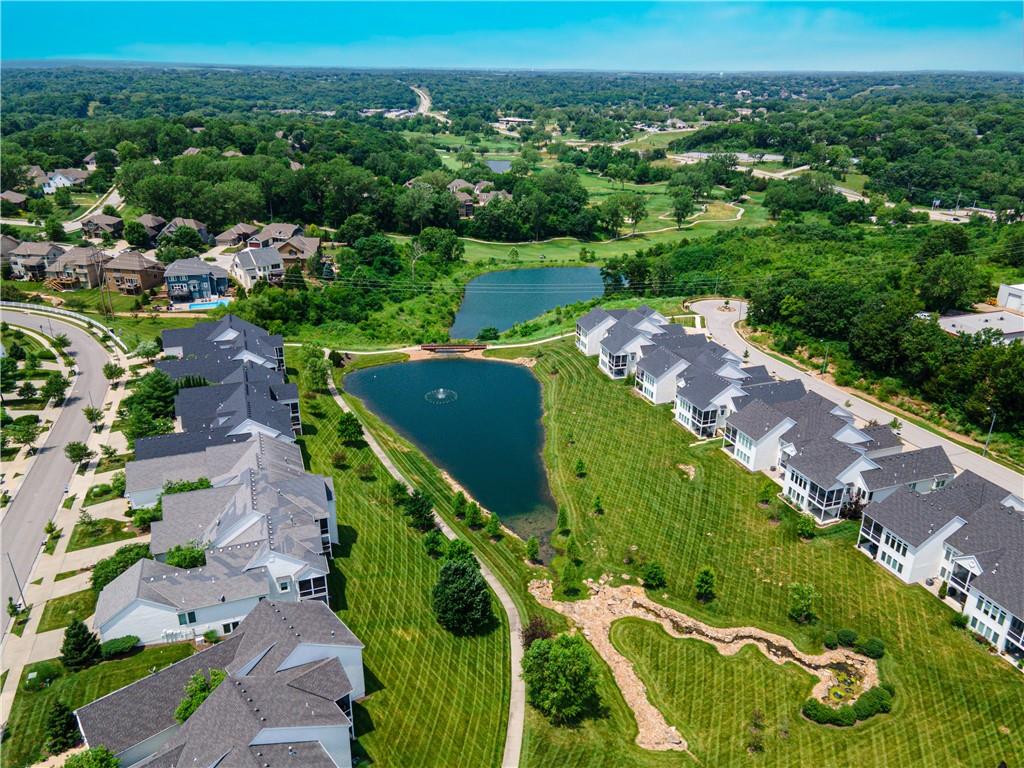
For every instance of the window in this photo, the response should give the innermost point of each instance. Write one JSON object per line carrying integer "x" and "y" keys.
{"x": 229, "y": 627}
{"x": 283, "y": 586}
{"x": 314, "y": 587}
{"x": 184, "y": 619}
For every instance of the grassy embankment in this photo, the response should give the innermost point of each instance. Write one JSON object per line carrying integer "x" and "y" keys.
{"x": 435, "y": 699}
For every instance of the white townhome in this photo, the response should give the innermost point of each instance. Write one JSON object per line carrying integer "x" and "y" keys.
{"x": 968, "y": 535}
{"x": 293, "y": 672}
{"x": 592, "y": 327}
{"x": 622, "y": 344}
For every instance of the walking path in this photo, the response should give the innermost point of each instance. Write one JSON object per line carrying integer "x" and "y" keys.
{"x": 722, "y": 327}
{"x": 517, "y": 695}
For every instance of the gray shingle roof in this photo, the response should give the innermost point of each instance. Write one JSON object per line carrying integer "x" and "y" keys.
{"x": 209, "y": 461}
{"x": 619, "y": 335}
{"x": 183, "y": 442}
{"x": 755, "y": 419}
{"x": 133, "y": 261}
{"x": 994, "y": 535}
{"x": 659, "y": 361}
{"x": 821, "y": 461}
{"x": 269, "y": 634}
{"x": 914, "y": 516}
{"x": 596, "y": 316}
{"x": 908, "y": 467}
{"x": 881, "y": 436}
{"x": 702, "y": 387}
{"x": 194, "y": 266}
{"x": 251, "y": 258}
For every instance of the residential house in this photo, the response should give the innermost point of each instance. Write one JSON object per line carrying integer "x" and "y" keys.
{"x": 195, "y": 280}
{"x": 621, "y": 346}
{"x": 484, "y": 198}
{"x": 7, "y": 246}
{"x": 464, "y": 203}
{"x": 153, "y": 225}
{"x": 460, "y": 185}
{"x": 13, "y": 198}
{"x": 63, "y": 177}
{"x": 190, "y": 152}
{"x": 79, "y": 267}
{"x": 178, "y": 222}
{"x": 236, "y": 234}
{"x": 36, "y": 175}
{"x": 297, "y": 250}
{"x": 254, "y": 264}
{"x": 293, "y": 671}
{"x": 716, "y": 388}
{"x": 100, "y": 223}
{"x": 968, "y": 535}
{"x": 272, "y": 234}
{"x": 231, "y": 335}
{"x": 132, "y": 273}
{"x": 30, "y": 259}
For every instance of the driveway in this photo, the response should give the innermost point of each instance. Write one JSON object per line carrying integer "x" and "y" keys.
{"x": 112, "y": 197}
{"x": 720, "y": 325}
{"x": 41, "y": 492}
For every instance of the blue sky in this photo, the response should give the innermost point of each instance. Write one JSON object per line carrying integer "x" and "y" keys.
{"x": 659, "y": 36}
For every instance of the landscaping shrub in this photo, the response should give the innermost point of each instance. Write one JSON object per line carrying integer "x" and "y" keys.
{"x": 537, "y": 629}
{"x": 871, "y": 702}
{"x": 831, "y": 641}
{"x": 108, "y": 569}
{"x": 434, "y": 543}
{"x": 960, "y": 621}
{"x": 873, "y": 648}
{"x": 61, "y": 729}
{"x": 46, "y": 673}
{"x": 844, "y": 716}
{"x": 461, "y": 600}
{"x": 847, "y": 637}
{"x": 805, "y": 527}
{"x": 816, "y": 711}
{"x": 561, "y": 681}
{"x": 81, "y": 648}
{"x": 118, "y": 646}
{"x": 943, "y": 591}
{"x": 653, "y": 575}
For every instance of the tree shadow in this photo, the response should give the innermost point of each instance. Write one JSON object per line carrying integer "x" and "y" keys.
{"x": 347, "y": 537}
{"x": 309, "y": 429}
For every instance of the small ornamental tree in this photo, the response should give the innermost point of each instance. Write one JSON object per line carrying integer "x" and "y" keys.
{"x": 61, "y": 728}
{"x": 350, "y": 431}
{"x": 537, "y": 629}
{"x": 581, "y": 468}
{"x": 81, "y": 648}
{"x": 55, "y": 388}
{"x": 112, "y": 371}
{"x": 78, "y": 452}
{"x": 801, "y": 602}
{"x": 419, "y": 509}
{"x": 460, "y": 550}
{"x": 805, "y": 527}
{"x": 560, "y": 678}
{"x": 493, "y": 526}
{"x": 533, "y": 549}
{"x": 434, "y": 543}
{"x": 653, "y": 576}
{"x": 704, "y": 584}
{"x": 461, "y": 601}
{"x": 28, "y": 391}
{"x": 562, "y": 525}
{"x": 459, "y": 505}
{"x": 197, "y": 689}
{"x": 97, "y": 757}
{"x": 473, "y": 517}
{"x": 93, "y": 415}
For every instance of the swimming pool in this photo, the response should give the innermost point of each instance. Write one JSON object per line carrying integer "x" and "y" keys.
{"x": 209, "y": 304}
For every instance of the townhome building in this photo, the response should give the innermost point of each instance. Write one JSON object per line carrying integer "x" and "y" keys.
{"x": 240, "y": 340}
{"x": 621, "y": 347}
{"x": 593, "y": 327}
{"x": 706, "y": 396}
{"x": 252, "y": 400}
{"x": 969, "y": 537}
{"x": 293, "y": 671}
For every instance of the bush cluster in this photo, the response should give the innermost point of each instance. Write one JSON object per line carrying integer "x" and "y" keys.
{"x": 870, "y": 703}
{"x": 118, "y": 646}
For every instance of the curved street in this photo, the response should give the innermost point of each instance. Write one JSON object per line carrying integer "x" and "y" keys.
{"x": 722, "y": 327}
{"x": 21, "y": 528}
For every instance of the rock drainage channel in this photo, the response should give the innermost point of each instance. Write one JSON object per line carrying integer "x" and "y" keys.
{"x": 607, "y": 604}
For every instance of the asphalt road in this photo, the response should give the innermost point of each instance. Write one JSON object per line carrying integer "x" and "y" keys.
{"x": 21, "y": 528}
{"x": 721, "y": 326}
{"x": 113, "y": 198}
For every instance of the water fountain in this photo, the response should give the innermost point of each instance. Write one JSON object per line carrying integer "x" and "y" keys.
{"x": 441, "y": 396}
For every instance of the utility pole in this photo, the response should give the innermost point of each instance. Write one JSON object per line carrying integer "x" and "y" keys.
{"x": 824, "y": 366}
{"x": 987, "y": 439}
{"x": 15, "y": 573}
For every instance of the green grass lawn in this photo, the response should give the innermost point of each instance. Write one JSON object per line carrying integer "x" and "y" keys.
{"x": 105, "y": 531}
{"x": 99, "y": 494}
{"x": 435, "y": 699}
{"x": 26, "y": 725}
{"x": 68, "y": 574}
{"x": 26, "y": 342}
{"x": 58, "y": 612}
{"x": 947, "y": 685}
{"x": 21, "y": 621}
{"x": 109, "y": 465}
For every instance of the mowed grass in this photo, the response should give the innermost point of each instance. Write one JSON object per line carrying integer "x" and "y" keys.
{"x": 435, "y": 699}
{"x": 59, "y": 612}
{"x": 956, "y": 704}
{"x": 26, "y": 726}
{"x": 103, "y": 531}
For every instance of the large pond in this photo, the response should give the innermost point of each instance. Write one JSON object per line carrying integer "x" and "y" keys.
{"x": 502, "y": 299}
{"x": 478, "y": 420}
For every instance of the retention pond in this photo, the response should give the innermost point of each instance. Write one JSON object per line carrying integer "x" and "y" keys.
{"x": 478, "y": 420}
{"x": 502, "y": 299}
